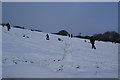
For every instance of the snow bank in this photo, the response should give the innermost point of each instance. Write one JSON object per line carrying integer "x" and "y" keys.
{"x": 33, "y": 56}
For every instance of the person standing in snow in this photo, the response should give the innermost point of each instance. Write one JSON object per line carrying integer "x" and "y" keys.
{"x": 92, "y": 41}
{"x": 47, "y": 37}
{"x": 8, "y": 26}
{"x": 71, "y": 35}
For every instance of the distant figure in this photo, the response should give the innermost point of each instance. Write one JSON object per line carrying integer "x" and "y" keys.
{"x": 60, "y": 39}
{"x": 27, "y": 37}
{"x": 71, "y": 35}
{"x": 85, "y": 40}
{"x": 8, "y": 26}
{"x": 92, "y": 41}
{"x": 23, "y": 35}
{"x": 47, "y": 37}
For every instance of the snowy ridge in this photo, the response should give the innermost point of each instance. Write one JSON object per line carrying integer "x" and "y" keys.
{"x": 33, "y": 56}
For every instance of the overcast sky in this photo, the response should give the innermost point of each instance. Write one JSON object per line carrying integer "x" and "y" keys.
{"x": 85, "y": 17}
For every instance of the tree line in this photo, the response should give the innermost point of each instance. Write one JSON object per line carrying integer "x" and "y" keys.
{"x": 110, "y": 36}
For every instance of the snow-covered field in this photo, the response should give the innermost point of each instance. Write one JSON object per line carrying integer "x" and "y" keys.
{"x": 35, "y": 57}
{"x": 0, "y": 54}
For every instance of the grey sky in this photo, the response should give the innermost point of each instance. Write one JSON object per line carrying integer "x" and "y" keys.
{"x": 85, "y": 17}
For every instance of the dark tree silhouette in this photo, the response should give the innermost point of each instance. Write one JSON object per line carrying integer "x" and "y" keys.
{"x": 63, "y": 32}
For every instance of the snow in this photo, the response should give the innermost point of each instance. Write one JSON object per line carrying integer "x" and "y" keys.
{"x": 36, "y": 57}
{"x": 119, "y": 60}
{"x": 0, "y": 52}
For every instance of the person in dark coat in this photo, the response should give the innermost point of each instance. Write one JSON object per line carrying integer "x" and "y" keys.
{"x": 92, "y": 41}
{"x": 8, "y": 26}
{"x": 60, "y": 39}
{"x": 47, "y": 37}
{"x": 71, "y": 35}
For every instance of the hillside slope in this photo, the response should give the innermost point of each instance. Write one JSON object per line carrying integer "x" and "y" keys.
{"x": 33, "y": 56}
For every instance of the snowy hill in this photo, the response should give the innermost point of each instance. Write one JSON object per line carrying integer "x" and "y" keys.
{"x": 33, "y": 56}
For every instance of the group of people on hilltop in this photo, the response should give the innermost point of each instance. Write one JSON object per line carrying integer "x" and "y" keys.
{"x": 92, "y": 40}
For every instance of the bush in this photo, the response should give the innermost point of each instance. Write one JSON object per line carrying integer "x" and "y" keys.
{"x": 36, "y": 30}
{"x": 19, "y": 27}
{"x": 63, "y": 32}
